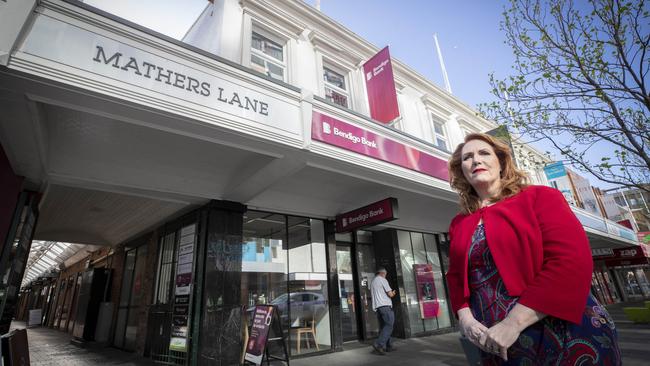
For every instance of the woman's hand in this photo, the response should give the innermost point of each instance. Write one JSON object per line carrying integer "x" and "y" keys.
{"x": 470, "y": 327}
{"x": 502, "y": 335}
{"x": 499, "y": 338}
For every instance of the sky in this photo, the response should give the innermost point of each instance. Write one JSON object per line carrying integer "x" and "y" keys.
{"x": 468, "y": 31}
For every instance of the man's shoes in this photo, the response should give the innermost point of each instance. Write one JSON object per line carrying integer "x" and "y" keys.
{"x": 378, "y": 350}
{"x": 390, "y": 349}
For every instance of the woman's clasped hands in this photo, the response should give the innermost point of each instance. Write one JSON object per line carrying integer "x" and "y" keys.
{"x": 495, "y": 340}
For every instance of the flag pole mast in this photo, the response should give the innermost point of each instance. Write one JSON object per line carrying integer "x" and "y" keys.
{"x": 442, "y": 64}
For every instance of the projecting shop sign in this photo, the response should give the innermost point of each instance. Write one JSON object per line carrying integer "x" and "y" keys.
{"x": 372, "y": 214}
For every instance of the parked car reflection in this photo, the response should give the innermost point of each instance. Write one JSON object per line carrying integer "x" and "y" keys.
{"x": 303, "y": 306}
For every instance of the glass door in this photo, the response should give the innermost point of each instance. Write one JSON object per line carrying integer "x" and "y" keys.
{"x": 346, "y": 291}
{"x": 366, "y": 268}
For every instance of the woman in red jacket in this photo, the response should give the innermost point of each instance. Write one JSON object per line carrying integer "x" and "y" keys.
{"x": 520, "y": 267}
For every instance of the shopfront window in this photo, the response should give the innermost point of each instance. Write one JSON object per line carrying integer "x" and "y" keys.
{"x": 425, "y": 296}
{"x": 284, "y": 264}
{"x": 264, "y": 262}
{"x": 308, "y": 305}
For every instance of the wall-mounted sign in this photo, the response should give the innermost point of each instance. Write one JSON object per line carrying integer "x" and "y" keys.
{"x": 602, "y": 252}
{"x": 183, "y": 290}
{"x": 74, "y": 47}
{"x": 372, "y": 214}
{"x": 638, "y": 254}
{"x": 426, "y": 287}
{"x": 380, "y": 85}
{"x": 349, "y": 137}
{"x": 557, "y": 177}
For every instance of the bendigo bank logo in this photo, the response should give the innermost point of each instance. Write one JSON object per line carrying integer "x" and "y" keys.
{"x": 327, "y": 128}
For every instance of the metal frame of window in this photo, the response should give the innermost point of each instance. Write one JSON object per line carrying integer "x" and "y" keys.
{"x": 267, "y": 58}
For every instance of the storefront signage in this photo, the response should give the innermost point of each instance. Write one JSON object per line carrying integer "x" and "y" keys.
{"x": 557, "y": 177}
{"x": 183, "y": 289}
{"x": 380, "y": 84}
{"x": 256, "y": 345}
{"x": 585, "y": 194}
{"x": 602, "y": 252}
{"x": 349, "y": 137}
{"x": 372, "y": 214}
{"x": 78, "y": 48}
{"x": 555, "y": 170}
{"x": 426, "y": 287}
{"x": 639, "y": 254}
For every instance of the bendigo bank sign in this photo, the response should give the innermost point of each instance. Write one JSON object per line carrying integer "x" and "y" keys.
{"x": 372, "y": 214}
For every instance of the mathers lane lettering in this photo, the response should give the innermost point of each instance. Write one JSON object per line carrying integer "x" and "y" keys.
{"x": 170, "y": 77}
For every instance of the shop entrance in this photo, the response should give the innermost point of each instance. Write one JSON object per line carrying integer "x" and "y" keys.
{"x": 355, "y": 259}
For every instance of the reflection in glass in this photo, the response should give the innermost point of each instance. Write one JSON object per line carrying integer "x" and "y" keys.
{"x": 346, "y": 291}
{"x": 284, "y": 264}
{"x": 309, "y": 308}
{"x": 366, "y": 268}
{"x": 264, "y": 263}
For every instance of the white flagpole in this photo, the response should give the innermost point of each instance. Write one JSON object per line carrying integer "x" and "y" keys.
{"x": 442, "y": 64}
{"x": 317, "y": 5}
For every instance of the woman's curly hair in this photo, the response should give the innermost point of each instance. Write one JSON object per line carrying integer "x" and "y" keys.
{"x": 513, "y": 180}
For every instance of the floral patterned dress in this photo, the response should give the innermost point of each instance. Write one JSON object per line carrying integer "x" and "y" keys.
{"x": 551, "y": 341}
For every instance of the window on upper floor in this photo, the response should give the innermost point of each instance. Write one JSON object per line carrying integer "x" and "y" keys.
{"x": 439, "y": 133}
{"x": 619, "y": 201}
{"x": 268, "y": 56}
{"x": 336, "y": 88}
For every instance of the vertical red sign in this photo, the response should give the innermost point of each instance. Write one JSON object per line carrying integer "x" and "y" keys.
{"x": 380, "y": 84}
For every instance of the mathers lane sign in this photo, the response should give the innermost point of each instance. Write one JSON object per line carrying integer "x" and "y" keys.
{"x": 145, "y": 69}
{"x": 372, "y": 214}
{"x": 98, "y": 59}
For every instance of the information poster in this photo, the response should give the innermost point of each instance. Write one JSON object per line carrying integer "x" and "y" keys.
{"x": 259, "y": 334}
{"x": 429, "y": 306}
{"x": 183, "y": 290}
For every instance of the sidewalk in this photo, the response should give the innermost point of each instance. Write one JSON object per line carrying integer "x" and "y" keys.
{"x": 48, "y": 347}
{"x": 634, "y": 341}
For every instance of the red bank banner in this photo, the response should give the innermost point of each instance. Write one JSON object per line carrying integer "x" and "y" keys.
{"x": 372, "y": 214}
{"x": 380, "y": 85}
{"x": 429, "y": 306}
{"x": 346, "y": 136}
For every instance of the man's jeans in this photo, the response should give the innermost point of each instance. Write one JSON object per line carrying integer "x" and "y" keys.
{"x": 386, "y": 320}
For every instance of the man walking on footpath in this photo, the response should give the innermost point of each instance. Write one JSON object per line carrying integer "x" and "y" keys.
{"x": 383, "y": 306}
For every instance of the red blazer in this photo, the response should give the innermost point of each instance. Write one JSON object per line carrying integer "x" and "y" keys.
{"x": 539, "y": 247}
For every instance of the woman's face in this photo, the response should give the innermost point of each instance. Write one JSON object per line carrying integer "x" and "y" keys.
{"x": 480, "y": 164}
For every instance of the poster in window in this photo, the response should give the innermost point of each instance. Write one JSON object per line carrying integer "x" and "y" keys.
{"x": 426, "y": 288}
